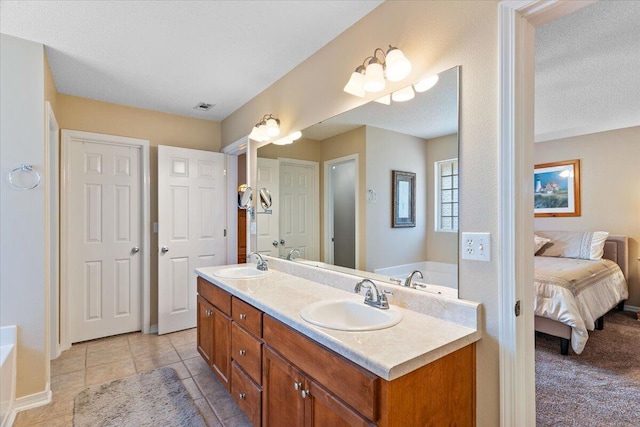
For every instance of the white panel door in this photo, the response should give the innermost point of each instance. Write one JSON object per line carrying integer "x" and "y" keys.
{"x": 104, "y": 239}
{"x": 268, "y": 222}
{"x": 191, "y": 229}
{"x": 299, "y": 208}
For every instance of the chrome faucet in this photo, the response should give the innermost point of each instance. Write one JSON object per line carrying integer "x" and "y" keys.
{"x": 408, "y": 281}
{"x": 380, "y": 300}
{"x": 292, "y": 252}
{"x": 262, "y": 263}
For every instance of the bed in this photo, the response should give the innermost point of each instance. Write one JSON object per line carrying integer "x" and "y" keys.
{"x": 573, "y": 294}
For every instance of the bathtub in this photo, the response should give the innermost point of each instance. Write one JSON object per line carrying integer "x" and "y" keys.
{"x": 8, "y": 335}
{"x": 440, "y": 278}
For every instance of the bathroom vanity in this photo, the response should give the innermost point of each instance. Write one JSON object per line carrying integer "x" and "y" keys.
{"x": 283, "y": 370}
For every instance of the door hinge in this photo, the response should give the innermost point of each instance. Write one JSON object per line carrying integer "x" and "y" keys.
{"x": 225, "y": 172}
{"x": 225, "y": 233}
{"x": 517, "y": 308}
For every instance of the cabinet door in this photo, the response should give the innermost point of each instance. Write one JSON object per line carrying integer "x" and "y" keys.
{"x": 221, "y": 357}
{"x": 324, "y": 409}
{"x": 205, "y": 329}
{"x": 282, "y": 403}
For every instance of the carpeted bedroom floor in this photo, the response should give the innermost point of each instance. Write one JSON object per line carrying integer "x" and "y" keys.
{"x": 600, "y": 387}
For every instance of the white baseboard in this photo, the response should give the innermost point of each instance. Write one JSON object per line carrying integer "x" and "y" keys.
{"x": 153, "y": 329}
{"x": 631, "y": 308}
{"x": 29, "y": 402}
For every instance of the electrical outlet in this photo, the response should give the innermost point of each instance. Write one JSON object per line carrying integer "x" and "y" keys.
{"x": 476, "y": 246}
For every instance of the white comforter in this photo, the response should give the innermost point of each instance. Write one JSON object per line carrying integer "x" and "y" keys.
{"x": 559, "y": 300}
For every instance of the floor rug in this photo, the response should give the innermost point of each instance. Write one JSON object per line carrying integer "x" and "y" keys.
{"x": 155, "y": 398}
{"x": 600, "y": 387}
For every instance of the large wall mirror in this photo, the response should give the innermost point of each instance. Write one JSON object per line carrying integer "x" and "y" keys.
{"x": 333, "y": 191}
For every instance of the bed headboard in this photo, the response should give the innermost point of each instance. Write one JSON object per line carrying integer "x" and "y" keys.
{"x": 616, "y": 249}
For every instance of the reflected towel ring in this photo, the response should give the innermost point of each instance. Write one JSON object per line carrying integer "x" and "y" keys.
{"x": 28, "y": 169}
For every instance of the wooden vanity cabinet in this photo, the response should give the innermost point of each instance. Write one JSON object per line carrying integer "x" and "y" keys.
{"x": 214, "y": 329}
{"x": 280, "y": 377}
{"x": 290, "y": 398}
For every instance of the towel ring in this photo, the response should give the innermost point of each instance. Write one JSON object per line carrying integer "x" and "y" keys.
{"x": 28, "y": 169}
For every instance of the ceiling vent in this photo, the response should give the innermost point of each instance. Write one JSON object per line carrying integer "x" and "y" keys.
{"x": 203, "y": 106}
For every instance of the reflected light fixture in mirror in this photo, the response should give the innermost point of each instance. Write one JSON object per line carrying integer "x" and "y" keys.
{"x": 288, "y": 139}
{"x": 370, "y": 76}
{"x": 268, "y": 127}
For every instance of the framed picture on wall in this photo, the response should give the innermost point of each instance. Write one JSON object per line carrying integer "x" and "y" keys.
{"x": 403, "y": 199}
{"x": 557, "y": 189}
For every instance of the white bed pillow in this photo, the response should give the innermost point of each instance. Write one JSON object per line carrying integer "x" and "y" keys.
{"x": 574, "y": 244}
{"x": 539, "y": 242}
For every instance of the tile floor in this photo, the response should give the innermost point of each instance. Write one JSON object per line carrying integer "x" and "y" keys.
{"x": 107, "y": 359}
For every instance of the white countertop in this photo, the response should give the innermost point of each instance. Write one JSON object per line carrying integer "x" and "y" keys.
{"x": 389, "y": 353}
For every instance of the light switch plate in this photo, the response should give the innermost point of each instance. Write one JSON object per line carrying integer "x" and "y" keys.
{"x": 476, "y": 246}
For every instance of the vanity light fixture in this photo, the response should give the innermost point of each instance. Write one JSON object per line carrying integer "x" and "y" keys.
{"x": 265, "y": 129}
{"x": 426, "y": 84}
{"x": 370, "y": 76}
{"x": 288, "y": 139}
{"x": 404, "y": 94}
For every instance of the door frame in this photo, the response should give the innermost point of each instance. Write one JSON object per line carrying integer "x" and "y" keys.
{"x": 145, "y": 225}
{"x": 52, "y": 231}
{"x": 316, "y": 195}
{"x": 328, "y": 207}
{"x": 517, "y": 20}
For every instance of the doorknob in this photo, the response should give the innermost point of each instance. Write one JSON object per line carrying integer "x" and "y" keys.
{"x": 275, "y": 243}
{"x": 164, "y": 249}
{"x": 135, "y": 250}
{"x": 282, "y": 241}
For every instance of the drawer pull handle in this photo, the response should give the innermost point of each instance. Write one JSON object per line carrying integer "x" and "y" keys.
{"x": 242, "y": 396}
{"x": 243, "y": 316}
{"x": 304, "y": 393}
{"x": 242, "y": 352}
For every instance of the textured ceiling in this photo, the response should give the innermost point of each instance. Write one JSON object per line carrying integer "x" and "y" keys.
{"x": 170, "y": 55}
{"x": 588, "y": 71}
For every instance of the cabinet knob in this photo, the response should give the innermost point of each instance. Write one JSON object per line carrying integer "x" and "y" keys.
{"x": 242, "y": 396}
{"x": 242, "y": 352}
{"x": 304, "y": 393}
{"x": 243, "y": 316}
{"x": 297, "y": 385}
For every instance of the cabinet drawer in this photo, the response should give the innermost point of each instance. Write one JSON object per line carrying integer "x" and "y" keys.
{"x": 248, "y": 316}
{"x": 215, "y": 295}
{"x": 351, "y": 383}
{"x": 247, "y": 394}
{"x": 246, "y": 350}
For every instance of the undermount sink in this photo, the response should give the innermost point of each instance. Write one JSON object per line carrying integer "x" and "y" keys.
{"x": 349, "y": 315}
{"x": 241, "y": 272}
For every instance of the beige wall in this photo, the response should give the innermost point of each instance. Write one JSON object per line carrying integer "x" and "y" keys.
{"x": 609, "y": 186}
{"x": 441, "y": 246}
{"x": 159, "y": 128}
{"x": 388, "y": 151}
{"x": 50, "y": 92}
{"x": 435, "y": 36}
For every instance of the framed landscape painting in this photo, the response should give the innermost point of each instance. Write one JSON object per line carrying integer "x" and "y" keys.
{"x": 557, "y": 189}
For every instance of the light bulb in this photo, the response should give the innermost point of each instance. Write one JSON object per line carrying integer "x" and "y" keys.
{"x": 397, "y": 65}
{"x": 386, "y": 100}
{"x": 272, "y": 128}
{"x": 374, "y": 77}
{"x": 404, "y": 94}
{"x": 426, "y": 84}
{"x": 295, "y": 135}
{"x": 355, "y": 85}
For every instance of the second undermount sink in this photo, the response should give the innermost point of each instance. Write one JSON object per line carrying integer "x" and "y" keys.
{"x": 240, "y": 272}
{"x": 349, "y": 315}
